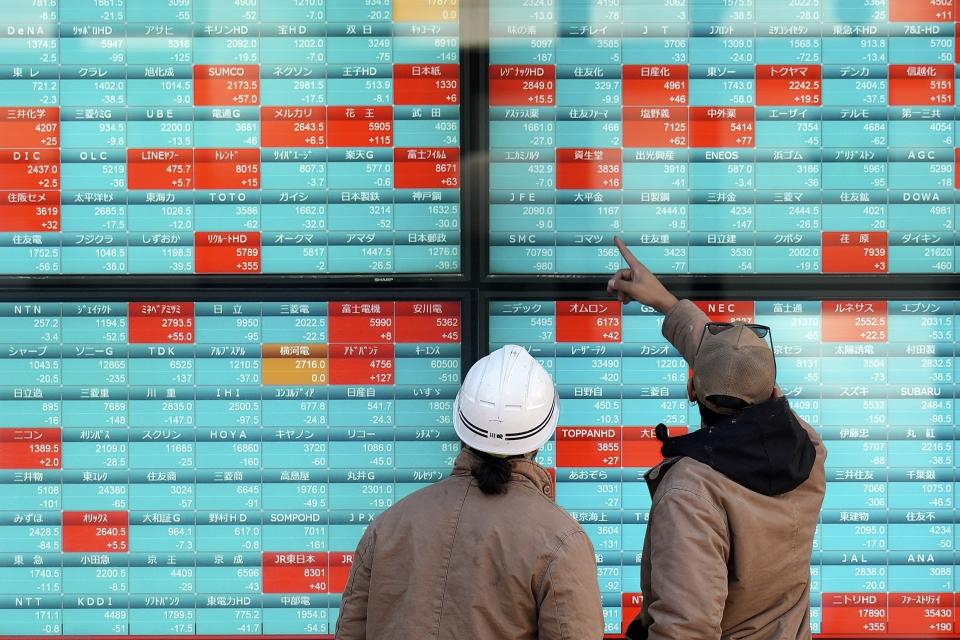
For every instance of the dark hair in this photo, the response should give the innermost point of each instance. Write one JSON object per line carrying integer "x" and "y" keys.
{"x": 492, "y": 473}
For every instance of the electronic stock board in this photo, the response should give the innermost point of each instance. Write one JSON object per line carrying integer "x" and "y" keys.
{"x": 204, "y": 464}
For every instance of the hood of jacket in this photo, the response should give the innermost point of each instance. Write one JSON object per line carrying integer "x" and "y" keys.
{"x": 763, "y": 448}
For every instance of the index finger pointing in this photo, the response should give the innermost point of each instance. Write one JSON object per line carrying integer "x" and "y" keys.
{"x": 626, "y": 253}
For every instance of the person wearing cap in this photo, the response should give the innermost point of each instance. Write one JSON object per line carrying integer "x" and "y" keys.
{"x": 485, "y": 554}
{"x": 735, "y": 504}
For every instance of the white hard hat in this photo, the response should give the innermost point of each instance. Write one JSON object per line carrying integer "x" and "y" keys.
{"x": 507, "y": 404}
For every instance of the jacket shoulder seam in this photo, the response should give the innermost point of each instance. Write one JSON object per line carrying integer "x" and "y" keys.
{"x": 557, "y": 509}
{"x": 362, "y": 553}
{"x": 555, "y": 554}
{"x": 691, "y": 492}
{"x": 692, "y": 476}
{"x": 565, "y": 533}
{"x": 446, "y": 562}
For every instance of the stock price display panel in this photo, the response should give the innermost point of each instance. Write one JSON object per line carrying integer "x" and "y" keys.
{"x": 208, "y": 468}
{"x": 876, "y": 378}
{"x": 229, "y": 136}
{"x": 723, "y": 136}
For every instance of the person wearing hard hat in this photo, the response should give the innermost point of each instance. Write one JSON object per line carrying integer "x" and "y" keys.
{"x": 485, "y": 554}
{"x": 736, "y": 503}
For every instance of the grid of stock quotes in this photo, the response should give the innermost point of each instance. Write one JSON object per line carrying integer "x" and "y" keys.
{"x": 188, "y": 468}
{"x": 723, "y": 136}
{"x": 208, "y": 468}
{"x": 199, "y": 467}
{"x": 229, "y": 136}
{"x": 876, "y": 378}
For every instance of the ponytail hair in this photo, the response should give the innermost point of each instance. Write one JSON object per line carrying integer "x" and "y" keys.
{"x": 492, "y": 473}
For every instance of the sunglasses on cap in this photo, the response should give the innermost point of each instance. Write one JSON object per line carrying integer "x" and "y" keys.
{"x": 714, "y": 328}
{"x": 762, "y": 331}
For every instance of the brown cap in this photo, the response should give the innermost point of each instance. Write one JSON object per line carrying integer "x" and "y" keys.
{"x": 736, "y": 363}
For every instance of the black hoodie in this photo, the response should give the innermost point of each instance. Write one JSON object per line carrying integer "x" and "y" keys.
{"x": 763, "y": 448}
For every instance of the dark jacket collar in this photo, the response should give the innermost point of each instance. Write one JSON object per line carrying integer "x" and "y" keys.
{"x": 763, "y": 448}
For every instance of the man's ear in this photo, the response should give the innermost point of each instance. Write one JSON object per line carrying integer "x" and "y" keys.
{"x": 691, "y": 392}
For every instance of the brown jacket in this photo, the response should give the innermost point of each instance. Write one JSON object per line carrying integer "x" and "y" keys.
{"x": 451, "y": 563}
{"x": 722, "y": 561}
